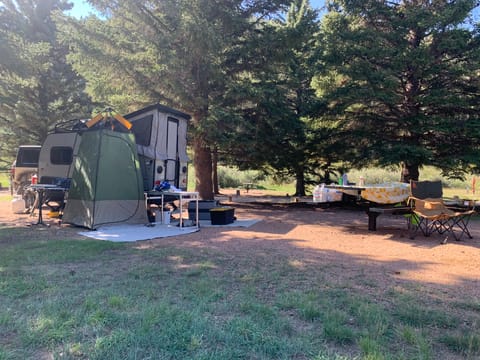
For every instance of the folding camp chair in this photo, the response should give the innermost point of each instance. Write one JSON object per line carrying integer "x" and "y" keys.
{"x": 430, "y": 214}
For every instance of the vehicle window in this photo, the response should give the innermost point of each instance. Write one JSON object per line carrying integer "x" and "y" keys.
{"x": 142, "y": 128}
{"x": 61, "y": 155}
{"x": 28, "y": 157}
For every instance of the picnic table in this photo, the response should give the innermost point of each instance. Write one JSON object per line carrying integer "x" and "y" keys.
{"x": 385, "y": 198}
{"x": 386, "y": 193}
{"x": 374, "y": 212}
{"x": 353, "y": 190}
{"x": 248, "y": 186}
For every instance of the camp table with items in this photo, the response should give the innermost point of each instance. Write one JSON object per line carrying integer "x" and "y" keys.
{"x": 182, "y": 197}
{"x": 42, "y": 192}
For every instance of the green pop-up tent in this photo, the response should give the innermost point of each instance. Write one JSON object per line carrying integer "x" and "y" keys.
{"x": 106, "y": 185}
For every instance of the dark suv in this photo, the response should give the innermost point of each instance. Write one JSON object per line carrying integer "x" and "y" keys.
{"x": 23, "y": 168}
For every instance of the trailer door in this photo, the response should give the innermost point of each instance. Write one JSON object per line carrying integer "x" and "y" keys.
{"x": 171, "y": 164}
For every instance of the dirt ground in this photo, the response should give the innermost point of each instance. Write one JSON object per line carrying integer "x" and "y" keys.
{"x": 333, "y": 234}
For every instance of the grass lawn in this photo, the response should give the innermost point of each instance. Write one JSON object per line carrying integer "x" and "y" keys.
{"x": 83, "y": 299}
{"x": 4, "y": 179}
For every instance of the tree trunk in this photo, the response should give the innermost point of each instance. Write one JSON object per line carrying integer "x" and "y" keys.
{"x": 409, "y": 172}
{"x": 203, "y": 169}
{"x": 216, "y": 187}
{"x": 299, "y": 182}
{"x": 325, "y": 179}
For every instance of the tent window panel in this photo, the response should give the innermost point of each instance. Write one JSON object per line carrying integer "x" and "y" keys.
{"x": 119, "y": 171}
{"x": 142, "y": 129}
{"x": 61, "y": 155}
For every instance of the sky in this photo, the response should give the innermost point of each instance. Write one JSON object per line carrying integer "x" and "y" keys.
{"x": 81, "y": 8}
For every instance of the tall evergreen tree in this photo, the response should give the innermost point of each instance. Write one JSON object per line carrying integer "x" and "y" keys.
{"x": 170, "y": 51}
{"x": 404, "y": 82}
{"x": 38, "y": 88}
{"x": 279, "y": 105}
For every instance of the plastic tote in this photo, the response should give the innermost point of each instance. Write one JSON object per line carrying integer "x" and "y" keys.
{"x": 18, "y": 205}
{"x": 321, "y": 194}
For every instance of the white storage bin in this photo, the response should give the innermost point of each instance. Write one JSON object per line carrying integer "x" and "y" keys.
{"x": 18, "y": 205}
{"x": 322, "y": 194}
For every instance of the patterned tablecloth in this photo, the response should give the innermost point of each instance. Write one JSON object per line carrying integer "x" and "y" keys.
{"x": 389, "y": 193}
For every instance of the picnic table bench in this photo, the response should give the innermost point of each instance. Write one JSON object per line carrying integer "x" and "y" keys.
{"x": 374, "y": 212}
{"x": 248, "y": 186}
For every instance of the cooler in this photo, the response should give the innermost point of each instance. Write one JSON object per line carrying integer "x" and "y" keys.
{"x": 222, "y": 215}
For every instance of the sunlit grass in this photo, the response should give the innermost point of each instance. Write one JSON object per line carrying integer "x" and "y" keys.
{"x": 97, "y": 300}
{"x": 5, "y": 179}
{"x": 452, "y": 188}
{"x": 4, "y": 198}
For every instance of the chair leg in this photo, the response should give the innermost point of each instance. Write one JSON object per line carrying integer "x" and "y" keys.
{"x": 415, "y": 223}
{"x": 427, "y": 226}
{"x": 455, "y": 227}
{"x": 462, "y": 224}
{"x": 449, "y": 226}
{"x": 412, "y": 226}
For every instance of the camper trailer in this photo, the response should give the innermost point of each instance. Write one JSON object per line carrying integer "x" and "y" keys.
{"x": 57, "y": 155}
{"x": 161, "y": 140}
{"x": 161, "y": 137}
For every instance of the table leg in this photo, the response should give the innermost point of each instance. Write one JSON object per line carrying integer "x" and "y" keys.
{"x": 40, "y": 194}
{"x": 372, "y": 220}
{"x": 162, "y": 221}
{"x": 197, "y": 223}
{"x": 181, "y": 212}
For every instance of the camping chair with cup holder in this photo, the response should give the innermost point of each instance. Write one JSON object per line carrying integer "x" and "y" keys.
{"x": 431, "y": 215}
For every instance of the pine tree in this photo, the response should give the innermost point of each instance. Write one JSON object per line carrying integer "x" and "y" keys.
{"x": 405, "y": 82}
{"x": 38, "y": 88}
{"x": 279, "y": 108}
{"x": 169, "y": 51}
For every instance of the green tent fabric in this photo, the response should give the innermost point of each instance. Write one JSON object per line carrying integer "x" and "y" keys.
{"x": 107, "y": 185}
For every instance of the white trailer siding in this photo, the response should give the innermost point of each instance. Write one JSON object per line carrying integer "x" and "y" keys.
{"x": 161, "y": 136}
{"x": 57, "y": 156}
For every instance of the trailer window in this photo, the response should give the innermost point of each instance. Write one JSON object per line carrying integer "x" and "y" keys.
{"x": 61, "y": 155}
{"x": 142, "y": 128}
